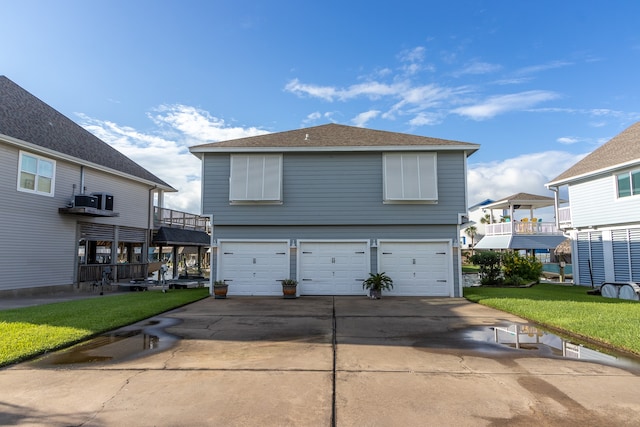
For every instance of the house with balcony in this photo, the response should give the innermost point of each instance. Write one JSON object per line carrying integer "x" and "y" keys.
{"x": 602, "y": 214}
{"x": 518, "y": 224}
{"x": 72, "y": 207}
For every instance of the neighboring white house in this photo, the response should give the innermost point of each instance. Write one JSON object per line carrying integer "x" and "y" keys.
{"x": 476, "y": 218}
{"x": 72, "y": 206}
{"x": 328, "y": 205}
{"x": 602, "y": 216}
{"x": 514, "y": 230}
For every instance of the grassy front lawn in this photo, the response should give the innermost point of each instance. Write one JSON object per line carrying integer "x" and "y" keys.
{"x": 29, "y": 331}
{"x": 470, "y": 268}
{"x": 609, "y": 321}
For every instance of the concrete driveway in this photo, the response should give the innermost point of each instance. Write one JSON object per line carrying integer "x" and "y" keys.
{"x": 317, "y": 361}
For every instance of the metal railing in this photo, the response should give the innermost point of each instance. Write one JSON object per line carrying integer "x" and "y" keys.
{"x": 518, "y": 227}
{"x": 178, "y": 219}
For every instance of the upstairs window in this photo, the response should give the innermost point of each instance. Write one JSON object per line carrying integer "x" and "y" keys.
{"x": 256, "y": 178}
{"x": 36, "y": 174}
{"x": 628, "y": 183}
{"x": 410, "y": 177}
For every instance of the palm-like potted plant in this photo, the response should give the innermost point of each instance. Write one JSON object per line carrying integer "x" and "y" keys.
{"x": 289, "y": 288}
{"x": 220, "y": 288}
{"x": 376, "y": 283}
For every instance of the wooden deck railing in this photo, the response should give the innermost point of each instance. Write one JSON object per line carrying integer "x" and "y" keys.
{"x": 178, "y": 219}
{"x": 93, "y": 272}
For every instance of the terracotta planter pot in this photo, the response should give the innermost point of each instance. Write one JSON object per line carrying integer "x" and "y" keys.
{"x": 289, "y": 291}
{"x": 220, "y": 291}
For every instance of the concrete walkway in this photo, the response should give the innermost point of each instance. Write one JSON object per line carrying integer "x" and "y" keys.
{"x": 318, "y": 361}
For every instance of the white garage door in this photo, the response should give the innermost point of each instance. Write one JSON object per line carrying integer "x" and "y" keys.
{"x": 417, "y": 268}
{"x": 332, "y": 268}
{"x": 253, "y": 268}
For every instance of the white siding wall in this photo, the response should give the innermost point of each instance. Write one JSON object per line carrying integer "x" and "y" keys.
{"x": 595, "y": 203}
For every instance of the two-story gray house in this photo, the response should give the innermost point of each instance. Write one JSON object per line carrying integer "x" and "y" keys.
{"x": 71, "y": 206}
{"x": 602, "y": 217}
{"x": 327, "y": 205}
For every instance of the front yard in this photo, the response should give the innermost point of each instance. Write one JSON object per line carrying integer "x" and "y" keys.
{"x": 611, "y": 322}
{"x": 26, "y": 332}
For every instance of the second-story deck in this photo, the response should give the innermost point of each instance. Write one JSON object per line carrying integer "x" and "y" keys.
{"x": 528, "y": 233}
{"x": 518, "y": 227}
{"x": 177, "y": 219}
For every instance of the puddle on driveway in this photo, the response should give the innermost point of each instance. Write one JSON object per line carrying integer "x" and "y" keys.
{"x": 530, "y": 337}
{"x": 122, "y": 344}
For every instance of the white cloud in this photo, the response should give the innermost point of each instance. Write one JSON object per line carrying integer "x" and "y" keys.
{"x": 500, "y": 104}
{"x": 426, "y": 119}
{"x": 413, "y": 55}
{"x": 166, "y": 154}
{"x": 478, "y": 68}
{"x": 361, "y": 119}
{"x": 544, "y": 67}
{"x": 370, "y": 89}
{"x": 199, "y": 125}
{"x": 527, "y": 173}
{"x": 568, "y": 140}
{"x": 327, "y": 93}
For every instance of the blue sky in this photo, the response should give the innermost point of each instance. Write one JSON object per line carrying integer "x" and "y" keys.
{"x": 537, "y": 84}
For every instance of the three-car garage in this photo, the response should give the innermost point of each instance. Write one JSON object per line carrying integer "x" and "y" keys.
{"x": 335, "y": 267}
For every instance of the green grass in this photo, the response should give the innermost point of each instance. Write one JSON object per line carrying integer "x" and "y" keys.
{"x": 470, "y": 268}
{"x": 30, "y": 331}
{"x": 612, "y": 322}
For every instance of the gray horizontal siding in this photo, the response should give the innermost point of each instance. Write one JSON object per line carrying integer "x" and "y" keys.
{"x": 330, "y": 232}
{"x": 338, "y": 188}
{"x": 38, "y": 245}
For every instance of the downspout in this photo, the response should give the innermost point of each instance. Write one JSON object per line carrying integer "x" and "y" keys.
{"x": 556, "y": 205}
{"x": 82, "y": 189}
{"x": 149, "y": 230}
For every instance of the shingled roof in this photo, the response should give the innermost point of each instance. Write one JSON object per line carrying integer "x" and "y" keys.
{"x": 27, "y": 118}
{"x": 524, "y": 200}
{"x": 620, "y": 150}
{"x": 333, "y": 137}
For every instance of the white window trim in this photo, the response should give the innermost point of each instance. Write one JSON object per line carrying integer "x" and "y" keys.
{"x": 263, "y": 199}
{"x": 421, "y": 200}
{"x": 631, "y": 187}
{"x": 36, "y": 191}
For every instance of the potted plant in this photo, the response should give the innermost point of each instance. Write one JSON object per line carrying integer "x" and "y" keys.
{"x": 289, "y": 288}
{"x": 376, "y": 283}
{"x": 220, "y": 289}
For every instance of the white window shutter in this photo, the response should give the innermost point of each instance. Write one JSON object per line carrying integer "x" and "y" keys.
{"x": 410, "y": 177}
{"x": 255, "y": 177}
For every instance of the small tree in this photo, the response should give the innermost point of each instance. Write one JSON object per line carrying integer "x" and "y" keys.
{"x": 471, "y": 231}
{"x": 489, "y": 263}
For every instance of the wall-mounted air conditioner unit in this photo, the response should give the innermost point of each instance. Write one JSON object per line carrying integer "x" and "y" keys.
{"x": 105, "y": 201}
{"x": 84, "y": 201}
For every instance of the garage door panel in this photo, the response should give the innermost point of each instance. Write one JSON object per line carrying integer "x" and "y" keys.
{"x": 333, "y": 268}
{"x": 417, "y": 268}
{"x": 254, "y": 268}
